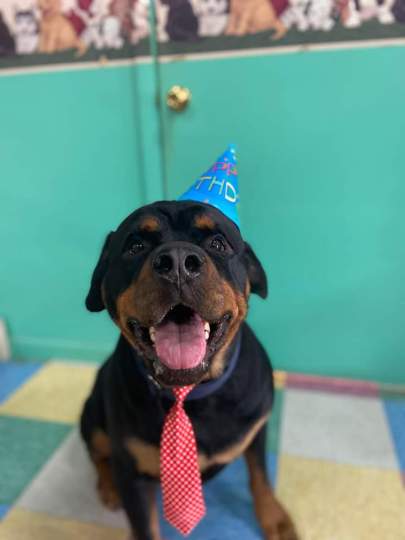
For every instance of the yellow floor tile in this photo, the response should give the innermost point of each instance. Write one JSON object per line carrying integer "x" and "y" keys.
{"x": 279, "y": 378}
{"x": 330, "y": 501}
{"x": 55, "y": 393}
{"x": 24, "y": 525}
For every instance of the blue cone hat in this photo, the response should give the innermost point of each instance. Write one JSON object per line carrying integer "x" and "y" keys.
{"x": 218, "y": 186}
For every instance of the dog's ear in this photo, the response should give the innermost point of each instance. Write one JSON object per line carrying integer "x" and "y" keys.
{"x": 256, "y": 274}
{"x": 94, "y": 299}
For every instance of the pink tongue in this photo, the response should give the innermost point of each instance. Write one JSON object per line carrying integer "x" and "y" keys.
{"x": 181, "y": 346}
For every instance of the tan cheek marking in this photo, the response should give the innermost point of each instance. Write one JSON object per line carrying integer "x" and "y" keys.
{"x": 136, "y": 302}
{"x": 124, "y": 310}
{"x": 238, "y": 306}
{"x": 149, "y": 224}
{"x": 204, "y": 222}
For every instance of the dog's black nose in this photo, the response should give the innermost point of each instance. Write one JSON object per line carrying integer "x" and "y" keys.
{"x": 178, "y": 262}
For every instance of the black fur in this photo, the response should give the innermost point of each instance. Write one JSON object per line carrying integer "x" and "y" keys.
{"x": 94, "y": 301}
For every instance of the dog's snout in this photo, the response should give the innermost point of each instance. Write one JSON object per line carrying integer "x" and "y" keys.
{"x": 178, "y": 263}
{"x": 163, "y": 264}
{"x": 192, "y": 264}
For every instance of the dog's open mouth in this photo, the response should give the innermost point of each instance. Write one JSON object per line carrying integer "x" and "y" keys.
{"x": 182, "y": 342}
{"x": 181, "y": 339}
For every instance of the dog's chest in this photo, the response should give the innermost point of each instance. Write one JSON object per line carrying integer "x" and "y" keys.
{"x": 147, "y": 455}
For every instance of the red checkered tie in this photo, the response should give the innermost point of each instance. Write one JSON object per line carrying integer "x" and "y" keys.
{"x": 183, "y": 501}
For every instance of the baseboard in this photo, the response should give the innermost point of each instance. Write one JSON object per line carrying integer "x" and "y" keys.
{"x": 4, "y": 342}
{"x": 27, "y": 348}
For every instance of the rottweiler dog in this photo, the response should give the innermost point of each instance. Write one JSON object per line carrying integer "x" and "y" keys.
{"x": 176, "y": 277}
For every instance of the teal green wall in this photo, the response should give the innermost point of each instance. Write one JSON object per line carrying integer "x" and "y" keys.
{"x": 320, "y": 139}
{"x": 321, "y": 172}
{"x": 71, "y": 169}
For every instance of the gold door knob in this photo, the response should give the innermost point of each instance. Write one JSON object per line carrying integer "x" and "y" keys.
{"x": 178, "y": 97}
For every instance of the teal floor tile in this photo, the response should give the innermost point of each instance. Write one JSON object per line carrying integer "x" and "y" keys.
{"x": 25, "y": 446}
{"x": 273, "y": 427}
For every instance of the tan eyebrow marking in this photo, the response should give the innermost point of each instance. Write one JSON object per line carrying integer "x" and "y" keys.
{"x": 149, "y": 224}
{"x": 204, "y": 222}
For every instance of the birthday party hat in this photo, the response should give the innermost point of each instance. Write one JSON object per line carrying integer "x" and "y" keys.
{"x": 218, "y": 186}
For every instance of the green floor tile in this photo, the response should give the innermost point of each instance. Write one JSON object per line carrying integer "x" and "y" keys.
{"x": 273, "y": 428}
{"x": 25, "y": 445}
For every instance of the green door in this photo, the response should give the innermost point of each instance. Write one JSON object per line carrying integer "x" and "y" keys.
{"x": 322, "y": 194}
{"x": 73, "y": 165}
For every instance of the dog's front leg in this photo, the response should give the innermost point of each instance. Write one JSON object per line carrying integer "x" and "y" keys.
{"x": 138, "y": 498}
{"x": 272, "y": 517}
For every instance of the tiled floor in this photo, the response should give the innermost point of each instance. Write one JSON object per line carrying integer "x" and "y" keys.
{"x": 336, "y": 454}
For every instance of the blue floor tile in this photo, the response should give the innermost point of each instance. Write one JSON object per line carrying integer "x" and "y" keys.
{"x": 3, "y": 510}
{"x": 13, "y": 375}
{"x": 229, "y": 507}
{"x": 395, "y": 410}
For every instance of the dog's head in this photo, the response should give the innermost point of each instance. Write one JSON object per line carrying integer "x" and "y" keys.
{"x": 176, "y": 277}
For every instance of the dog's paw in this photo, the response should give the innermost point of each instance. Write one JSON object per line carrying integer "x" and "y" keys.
{"x": 108, "y": 495}
{"x": 277, "y": 524}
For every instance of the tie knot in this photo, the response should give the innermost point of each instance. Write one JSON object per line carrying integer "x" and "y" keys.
{"x": 181, "y": 392}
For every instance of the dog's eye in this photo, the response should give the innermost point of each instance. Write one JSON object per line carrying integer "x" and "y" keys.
{"x": 218, "y": 243}
{"x": 136, "y": 247}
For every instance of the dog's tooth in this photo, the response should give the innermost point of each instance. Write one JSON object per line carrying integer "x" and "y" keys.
{"x": 206, "y": 334}
{"x": 152, "y": 333}
{"x": 207, "y": 327}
